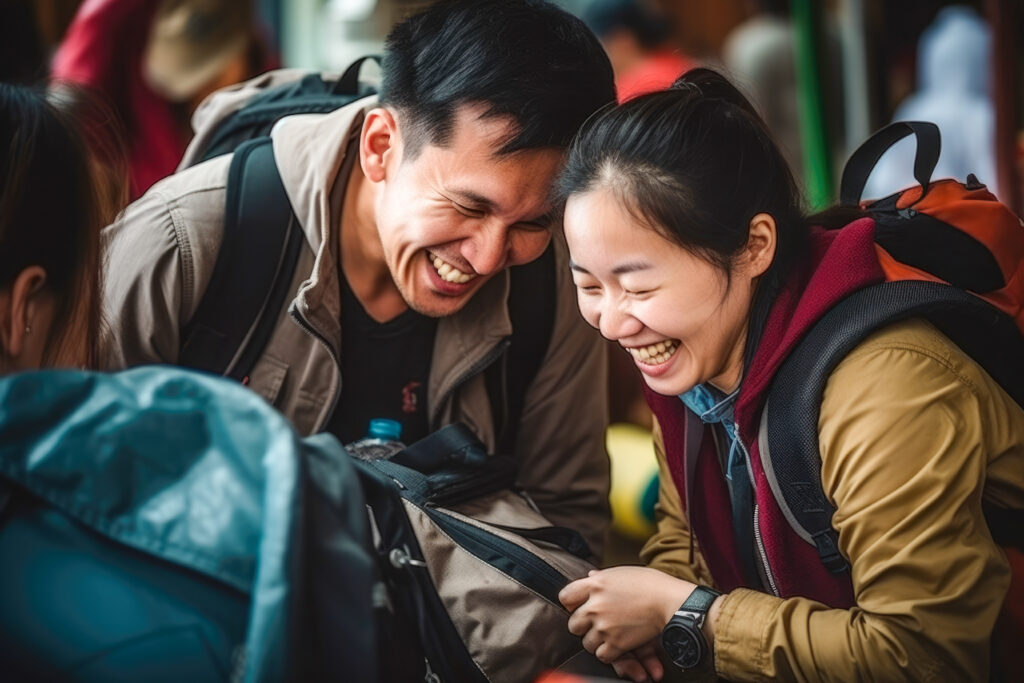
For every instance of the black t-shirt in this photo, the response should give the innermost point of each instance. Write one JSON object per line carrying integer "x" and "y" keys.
{"x": 384, "y": 370}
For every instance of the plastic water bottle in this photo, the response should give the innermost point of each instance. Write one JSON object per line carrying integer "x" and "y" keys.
{"x": 382, "y": 440}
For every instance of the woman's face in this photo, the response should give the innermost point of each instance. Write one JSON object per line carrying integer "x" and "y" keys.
{"x": 681, "y": 318}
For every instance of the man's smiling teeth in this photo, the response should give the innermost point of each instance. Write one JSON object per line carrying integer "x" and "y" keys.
{"x": 447, "y": 271}
{"x": 655, "y": 354}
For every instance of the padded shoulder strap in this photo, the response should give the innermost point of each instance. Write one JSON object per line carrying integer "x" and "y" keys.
{"x": 788, "y": 442}
{"x": 532, "y": 310}
{"x": 261, "y": 246}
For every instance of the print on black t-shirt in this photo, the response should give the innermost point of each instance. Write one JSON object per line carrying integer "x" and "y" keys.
{"x": 384, "y": 371}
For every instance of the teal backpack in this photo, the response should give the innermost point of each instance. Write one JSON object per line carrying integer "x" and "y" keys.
{"x": 146, "y": 534}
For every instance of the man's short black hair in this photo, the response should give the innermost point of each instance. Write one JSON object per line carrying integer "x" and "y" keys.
{"x": 526, "y": 59}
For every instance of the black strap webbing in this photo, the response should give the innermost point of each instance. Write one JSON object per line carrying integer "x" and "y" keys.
{"x": 255, "y": 264}
{"x": 454, "y": 444}
{"x": 862, "y": 161}
{"x": 793, "y": 461}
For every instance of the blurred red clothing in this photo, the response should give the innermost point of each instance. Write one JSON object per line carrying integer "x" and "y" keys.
{"x": 103, "y": 51}
{"x": 656, "y": 72}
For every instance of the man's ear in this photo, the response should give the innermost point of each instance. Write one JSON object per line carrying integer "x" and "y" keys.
{"x": 379, "y": 144}
{"x": 761, "y": 243}
{"x": 18, "y": 306}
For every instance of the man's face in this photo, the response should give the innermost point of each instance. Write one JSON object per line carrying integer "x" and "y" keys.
{"x": 450, "y": 218}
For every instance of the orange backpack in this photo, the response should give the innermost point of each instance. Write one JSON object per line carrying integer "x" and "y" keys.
{"x": 941, "y": 231}
{"x": 951, "y": 253}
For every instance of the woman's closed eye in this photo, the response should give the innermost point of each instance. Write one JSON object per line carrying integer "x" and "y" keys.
{"x": 638, "y": 291}
{"x": 588, "y": 287}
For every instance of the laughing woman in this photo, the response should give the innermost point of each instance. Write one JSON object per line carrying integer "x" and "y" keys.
{"x": 689, "y": 249}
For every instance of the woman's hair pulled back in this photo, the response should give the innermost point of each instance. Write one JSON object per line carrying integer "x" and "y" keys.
{"x": 695, "y": 163}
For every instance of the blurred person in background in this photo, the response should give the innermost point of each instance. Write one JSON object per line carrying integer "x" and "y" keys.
{"x": 154, "y": 61}
{"x": 760, "y": 55}
{"x": 49, "y": 250}
{"x": 637, "y": 39}
{"x": 954, "y": 67}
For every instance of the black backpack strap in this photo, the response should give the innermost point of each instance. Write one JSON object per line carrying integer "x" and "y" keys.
{"x": 348, "y": 83}
{"x": 788, "y": 442}
{"x": 454, "y": 444}
{"x": 531, "y": 307}
{"x": 862, "y": 162}
{"x": 253, "y": 273}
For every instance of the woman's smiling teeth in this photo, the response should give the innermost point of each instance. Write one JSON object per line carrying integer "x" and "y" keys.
{"x": 654, "y": 354}
{"x": 447, "y": 271}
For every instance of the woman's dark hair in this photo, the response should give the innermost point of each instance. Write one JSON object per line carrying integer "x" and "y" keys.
{"x": 525, "y": 59}
{"x": 50, "y": 217}
{"x": 695, "y": 163}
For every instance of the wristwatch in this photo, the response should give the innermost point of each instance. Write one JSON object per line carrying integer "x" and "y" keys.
{"x": 683, "y": 636}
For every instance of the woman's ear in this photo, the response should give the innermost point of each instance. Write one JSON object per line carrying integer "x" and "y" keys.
{"x": 378, "y": 143}
{"x": 761, "y": 242}
{"x": 18, "y": 308}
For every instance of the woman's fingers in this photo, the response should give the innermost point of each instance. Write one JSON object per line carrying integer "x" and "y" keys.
{"x": 607, "y": 653}
{"x": 574, "y": 595}
{"x": 591, "y": 641}
{"x": 648, "y": 658}
{"x": 627, "y": 666}
{"x": 579, "y": 623}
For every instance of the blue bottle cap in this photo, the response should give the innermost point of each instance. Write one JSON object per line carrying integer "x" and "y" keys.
{"x": 384, "y": 429}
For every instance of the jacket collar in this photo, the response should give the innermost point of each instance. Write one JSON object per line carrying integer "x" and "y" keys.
{"x": 838, "y": 263}
{"x": 311, "y": 153}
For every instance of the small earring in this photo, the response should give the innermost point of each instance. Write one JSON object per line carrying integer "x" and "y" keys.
{"x": 28, "y": 329}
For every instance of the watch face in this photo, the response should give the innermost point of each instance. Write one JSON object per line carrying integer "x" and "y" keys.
{"x": 682, "y": 645}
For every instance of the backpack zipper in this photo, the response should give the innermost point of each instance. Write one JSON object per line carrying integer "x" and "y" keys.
{"x": 540, "y": 577}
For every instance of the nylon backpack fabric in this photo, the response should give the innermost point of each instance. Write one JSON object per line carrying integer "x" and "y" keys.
{"x": 311, "y": 94}
{"x": 158, "y": 525}
{"x": 472, "y": 564}
{"x": 950, "y": 253}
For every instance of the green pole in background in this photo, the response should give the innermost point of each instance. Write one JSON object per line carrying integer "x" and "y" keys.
{"x": 817, "y": 157}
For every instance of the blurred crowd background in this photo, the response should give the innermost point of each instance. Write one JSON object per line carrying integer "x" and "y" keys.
{"x": 824, "y": 74}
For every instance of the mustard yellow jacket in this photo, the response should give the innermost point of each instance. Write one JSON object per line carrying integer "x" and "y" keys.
{"x": 913, "y": 436}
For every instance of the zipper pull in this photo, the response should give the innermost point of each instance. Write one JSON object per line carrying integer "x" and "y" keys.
{"x": 400, "y": 559}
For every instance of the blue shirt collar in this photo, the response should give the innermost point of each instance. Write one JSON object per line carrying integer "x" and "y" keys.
{"x": 710, "y": 404}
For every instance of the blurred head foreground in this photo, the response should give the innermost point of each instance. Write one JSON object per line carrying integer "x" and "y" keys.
{"x": 49, "y": 237}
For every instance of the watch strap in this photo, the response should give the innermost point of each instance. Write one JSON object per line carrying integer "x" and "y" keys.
{"x": 700, "y": 600}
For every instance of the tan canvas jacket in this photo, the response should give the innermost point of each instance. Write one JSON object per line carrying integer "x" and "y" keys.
{"x": 161, "y": 252}
{"x": 913, "y": 435}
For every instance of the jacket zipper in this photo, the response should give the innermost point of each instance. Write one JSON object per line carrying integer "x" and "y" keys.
{"x": 543, "y": 579}
{"x": 758, "y": 541}
{"x": 473, "y": 370}
{"x": 306, "y": 327}
{"x": 763, "y": 553}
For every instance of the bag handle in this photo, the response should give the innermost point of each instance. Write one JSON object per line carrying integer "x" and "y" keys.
{"x": 348, "y": 84}
{"x": 452, "y": 445}
{"x": 862, "y": 161}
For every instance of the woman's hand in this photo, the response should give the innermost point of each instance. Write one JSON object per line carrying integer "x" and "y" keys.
{"x": 640, "y": 665}
{"x": 622, "y": 609}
